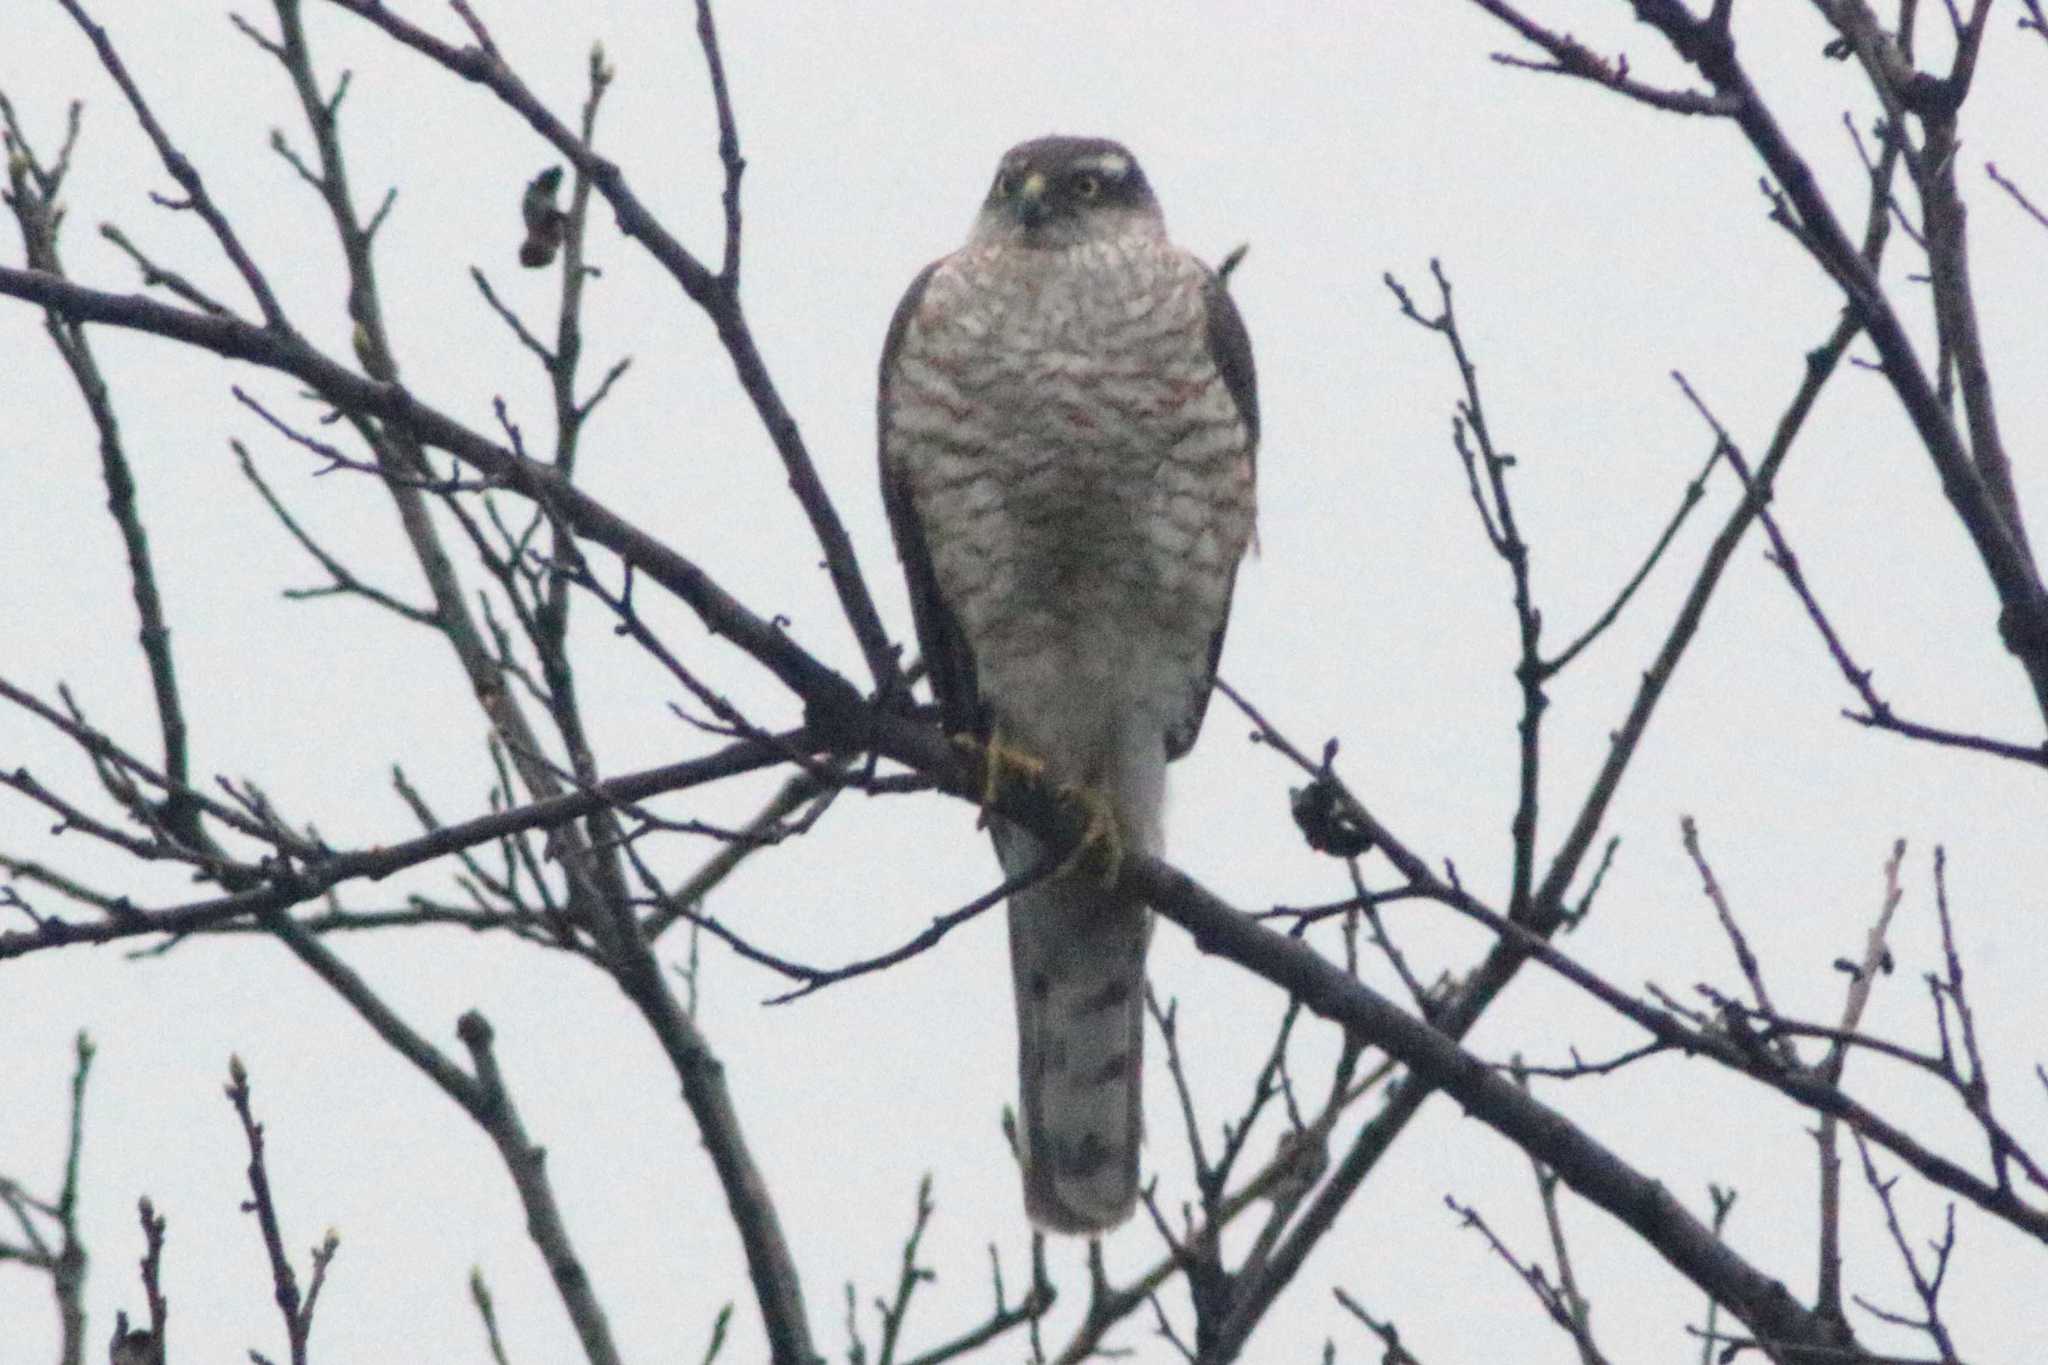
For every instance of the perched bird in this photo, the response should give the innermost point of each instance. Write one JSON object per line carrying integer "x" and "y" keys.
{"x": 1068, "y": 420}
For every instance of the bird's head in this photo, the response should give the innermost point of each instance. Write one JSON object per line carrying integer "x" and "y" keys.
{"x": 1055, "y": 192}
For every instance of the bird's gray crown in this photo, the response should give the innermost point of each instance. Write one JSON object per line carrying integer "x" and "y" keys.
{"x": 1057, "y": 191}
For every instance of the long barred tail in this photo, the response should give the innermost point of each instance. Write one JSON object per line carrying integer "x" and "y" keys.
{"x": 1077, "y": 952}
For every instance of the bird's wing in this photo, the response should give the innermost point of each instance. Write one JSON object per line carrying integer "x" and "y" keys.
{"x": 1230, "y": 347}
{"x": 948, "y": 661}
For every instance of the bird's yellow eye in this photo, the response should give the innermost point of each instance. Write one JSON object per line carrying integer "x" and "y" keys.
{"x": 1087, "y": 186}
{"x": 1006, "y": 185}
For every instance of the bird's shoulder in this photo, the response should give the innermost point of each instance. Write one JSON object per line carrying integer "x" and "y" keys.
{"x": 907, "y": 310}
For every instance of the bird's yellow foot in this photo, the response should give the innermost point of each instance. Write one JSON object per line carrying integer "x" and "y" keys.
{"x": 1000, "y": 762}
{"x": 1102, "y": 839}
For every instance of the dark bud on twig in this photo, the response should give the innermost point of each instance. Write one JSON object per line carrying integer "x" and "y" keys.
{"x": 1300, "y": 1158}
{"x": 1885, "y": 964}
{"x": 1735, "y": 1023}
{"x": 1329, "y": 828}
{"x": 132, "y": 1348}
{"x": 545, "y": 223}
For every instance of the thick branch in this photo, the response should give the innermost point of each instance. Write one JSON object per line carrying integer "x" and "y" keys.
{"x": 1594, "y": 1171}
{"x": 390, "y": 402}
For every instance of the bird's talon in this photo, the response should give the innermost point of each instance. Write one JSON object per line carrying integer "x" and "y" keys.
{"x": 1000, "y": 761}
{"x": 1101, "y": 837}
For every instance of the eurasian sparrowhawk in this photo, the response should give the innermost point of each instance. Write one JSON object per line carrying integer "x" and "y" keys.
{"x": 1068, "y": 421}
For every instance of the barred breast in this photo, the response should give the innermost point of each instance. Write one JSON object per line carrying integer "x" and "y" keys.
{"x": 1081, "y": 472}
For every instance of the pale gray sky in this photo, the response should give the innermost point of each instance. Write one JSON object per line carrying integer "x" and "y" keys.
{"x": 1595, "y": 246}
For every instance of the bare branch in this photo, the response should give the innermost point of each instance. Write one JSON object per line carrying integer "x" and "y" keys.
{"x": 1396, "y": 1353}
{"x": 1927, "y": 1280}
{"x": 480, "y": 1295}
{"x": 2018, "y": 195}
{"x": 1877, "y": 712}
{"x": 1977, "y": 485}
{"x": 283, "y": 886}
{"x": 344, "y": 579}
{"x": 1561, "y": 1306}
{"x": 716, "y": 294}
{"x": 817, "y": 978}
{"x": 298, "y": 1313}
{"x": 181, "y": 169}
{"x": 394, "y": 404}
{"x": 1744, "y": 957}
{"x": 1569, "y": 57}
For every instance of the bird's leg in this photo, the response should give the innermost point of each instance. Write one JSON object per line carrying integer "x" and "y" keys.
{"x": 1000, "y": 761}
{"x": 1102, "y": 836}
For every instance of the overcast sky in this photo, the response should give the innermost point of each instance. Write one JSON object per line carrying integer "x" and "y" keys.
{"x": 1595, "y": 247}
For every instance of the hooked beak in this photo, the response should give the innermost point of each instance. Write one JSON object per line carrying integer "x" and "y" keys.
{"x": 1029, "y": 203}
